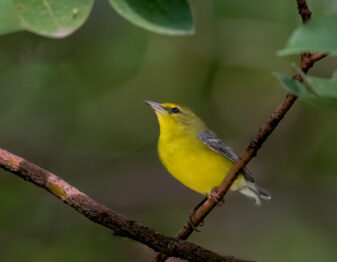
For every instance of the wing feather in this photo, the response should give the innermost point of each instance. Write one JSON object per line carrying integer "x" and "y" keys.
{"x": 210, "y": 139}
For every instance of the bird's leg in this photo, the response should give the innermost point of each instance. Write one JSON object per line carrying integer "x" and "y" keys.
{"x": 213, "y": 195}
{"x": 190, "y": 217}
{"x": 221, "y": 202}
{"x": 190, "y": 222}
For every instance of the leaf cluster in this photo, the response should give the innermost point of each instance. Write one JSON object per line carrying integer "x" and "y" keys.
{"x": 317, "y": 35}
{"x": 60, "y": 18}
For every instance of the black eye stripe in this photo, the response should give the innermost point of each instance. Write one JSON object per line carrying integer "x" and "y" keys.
{"x": 175, "y": 110}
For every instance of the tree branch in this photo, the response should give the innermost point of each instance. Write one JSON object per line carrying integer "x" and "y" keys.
{"x": 200, "y": 213}
{"x": 303, "y": 10}
{"x": 100, "y": 214}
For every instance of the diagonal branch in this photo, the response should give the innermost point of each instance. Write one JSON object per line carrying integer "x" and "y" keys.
{"x": 199, "y": 214}
{"x": 100, "y": 214}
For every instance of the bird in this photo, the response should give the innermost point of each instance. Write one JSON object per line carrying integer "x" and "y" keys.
{"x": 196, "y": 156}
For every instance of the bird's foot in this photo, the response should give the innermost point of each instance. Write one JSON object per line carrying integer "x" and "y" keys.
{"x": 220, "y": 201}
{"x": 191, "y": 223}
{"x": 190, "y": 217}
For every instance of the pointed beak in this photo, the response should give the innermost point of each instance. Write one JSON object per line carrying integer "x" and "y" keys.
{"x": 155, "y": 106}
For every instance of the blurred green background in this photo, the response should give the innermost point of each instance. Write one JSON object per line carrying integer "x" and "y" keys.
{"x": 75, "y": 107}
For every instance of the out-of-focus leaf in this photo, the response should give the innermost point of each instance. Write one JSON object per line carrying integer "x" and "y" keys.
{"x": 9, "y": 21}
{"x": 317, "y": 35}
{"x": 315, "y": 90}
{"x": 52, "y": 18}
{"x": 173, "y": 17}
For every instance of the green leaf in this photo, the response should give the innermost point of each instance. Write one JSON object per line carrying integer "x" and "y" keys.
{"x": 173, "y": 17}
{"x": 315, "y": 90}
{"x": 52, "y": 18}
{"x": 317, "y": 35}
{"x": 9, "y": 21}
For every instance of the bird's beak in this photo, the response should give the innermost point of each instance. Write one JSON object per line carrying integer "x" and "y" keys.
{"x": 155, "y": 106}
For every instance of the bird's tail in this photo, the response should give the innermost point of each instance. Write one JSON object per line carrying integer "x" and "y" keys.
{"x": 255, "y": 193}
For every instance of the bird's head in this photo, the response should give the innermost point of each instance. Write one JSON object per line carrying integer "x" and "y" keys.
{"x": 173, "y": 116}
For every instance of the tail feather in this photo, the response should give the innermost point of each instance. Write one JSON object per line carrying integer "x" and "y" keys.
{"x": 255, "y": 193}
{"x": 263, "y": 193}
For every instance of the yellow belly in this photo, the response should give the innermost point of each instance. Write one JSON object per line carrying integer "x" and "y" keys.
{"x": 195, "y": 164}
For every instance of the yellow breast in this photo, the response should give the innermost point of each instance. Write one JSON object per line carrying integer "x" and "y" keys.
{"x": 193, "y": 163}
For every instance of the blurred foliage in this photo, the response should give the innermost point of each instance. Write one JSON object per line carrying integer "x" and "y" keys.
{"x": 172, "y": 17}
{"x": 315, "y": 90}
{"x": 8, "y": 19}
{"x": 60, "y": 18}
{"x": 50, "y": 18}
{"x": 75, "y": 107}
{"x": 317, "y": 35}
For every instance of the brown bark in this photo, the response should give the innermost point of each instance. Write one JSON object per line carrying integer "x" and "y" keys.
{"x": 100, "y": 214}
{"x": 303, "y": 10}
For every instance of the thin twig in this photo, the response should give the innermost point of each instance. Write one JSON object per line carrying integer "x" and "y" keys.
{"x": 100, "y": 214}
{"x": 303, "y": 10}
{"x": 307, "y": 61}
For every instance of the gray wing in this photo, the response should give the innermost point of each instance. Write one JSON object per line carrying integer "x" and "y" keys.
{"x": 215, "y": 143}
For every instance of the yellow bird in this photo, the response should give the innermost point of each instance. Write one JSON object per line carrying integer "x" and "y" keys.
{"x": 195, "y": 156}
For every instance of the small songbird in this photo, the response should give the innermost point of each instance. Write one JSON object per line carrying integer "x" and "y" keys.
{"x": 195, "y": 156}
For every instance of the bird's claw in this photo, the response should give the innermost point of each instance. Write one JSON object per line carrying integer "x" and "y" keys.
{"x": 190, "y": 217}
{"x": 220, "y": 201}
{"x": 190, "y": 222}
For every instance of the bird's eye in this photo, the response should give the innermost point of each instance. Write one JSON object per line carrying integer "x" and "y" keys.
{"x": 175, "y": 110}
